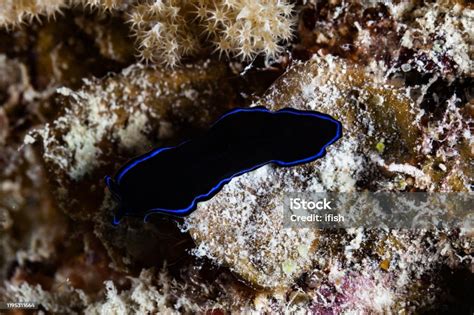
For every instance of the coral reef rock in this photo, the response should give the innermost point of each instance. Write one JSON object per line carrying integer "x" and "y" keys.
{"x": 242, "y": 226}
{"x": 115, "y": 118}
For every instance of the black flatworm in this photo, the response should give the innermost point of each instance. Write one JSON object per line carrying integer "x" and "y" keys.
{"x": 172, "y": 180}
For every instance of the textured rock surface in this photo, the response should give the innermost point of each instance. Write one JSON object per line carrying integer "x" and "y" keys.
{"x": 384, "y": 148}
{"x": 242, "y": 225}
{"x": 118, "y": 117}
{"x": 109, "y": 121}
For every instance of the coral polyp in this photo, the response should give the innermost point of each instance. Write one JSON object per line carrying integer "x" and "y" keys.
{"x": 247, "y": 28}
{"x": 13, "y": 12}
{"x": 168, "y": 30}
{"x": 163, "y": 31}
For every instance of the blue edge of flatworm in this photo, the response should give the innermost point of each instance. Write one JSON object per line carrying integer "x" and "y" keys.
{"x": 199, "y": 198}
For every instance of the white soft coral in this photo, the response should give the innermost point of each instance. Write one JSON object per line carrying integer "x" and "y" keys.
{"x": 168, "y": 30}
{"x": 14, "y": 12}
{"x": 247, "y": 28}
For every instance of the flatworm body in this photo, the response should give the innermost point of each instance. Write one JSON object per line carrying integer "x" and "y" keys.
{"x": 172, "y": 180}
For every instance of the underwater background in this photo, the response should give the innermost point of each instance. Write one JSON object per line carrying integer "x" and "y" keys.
{"x": 87, "y": 85}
